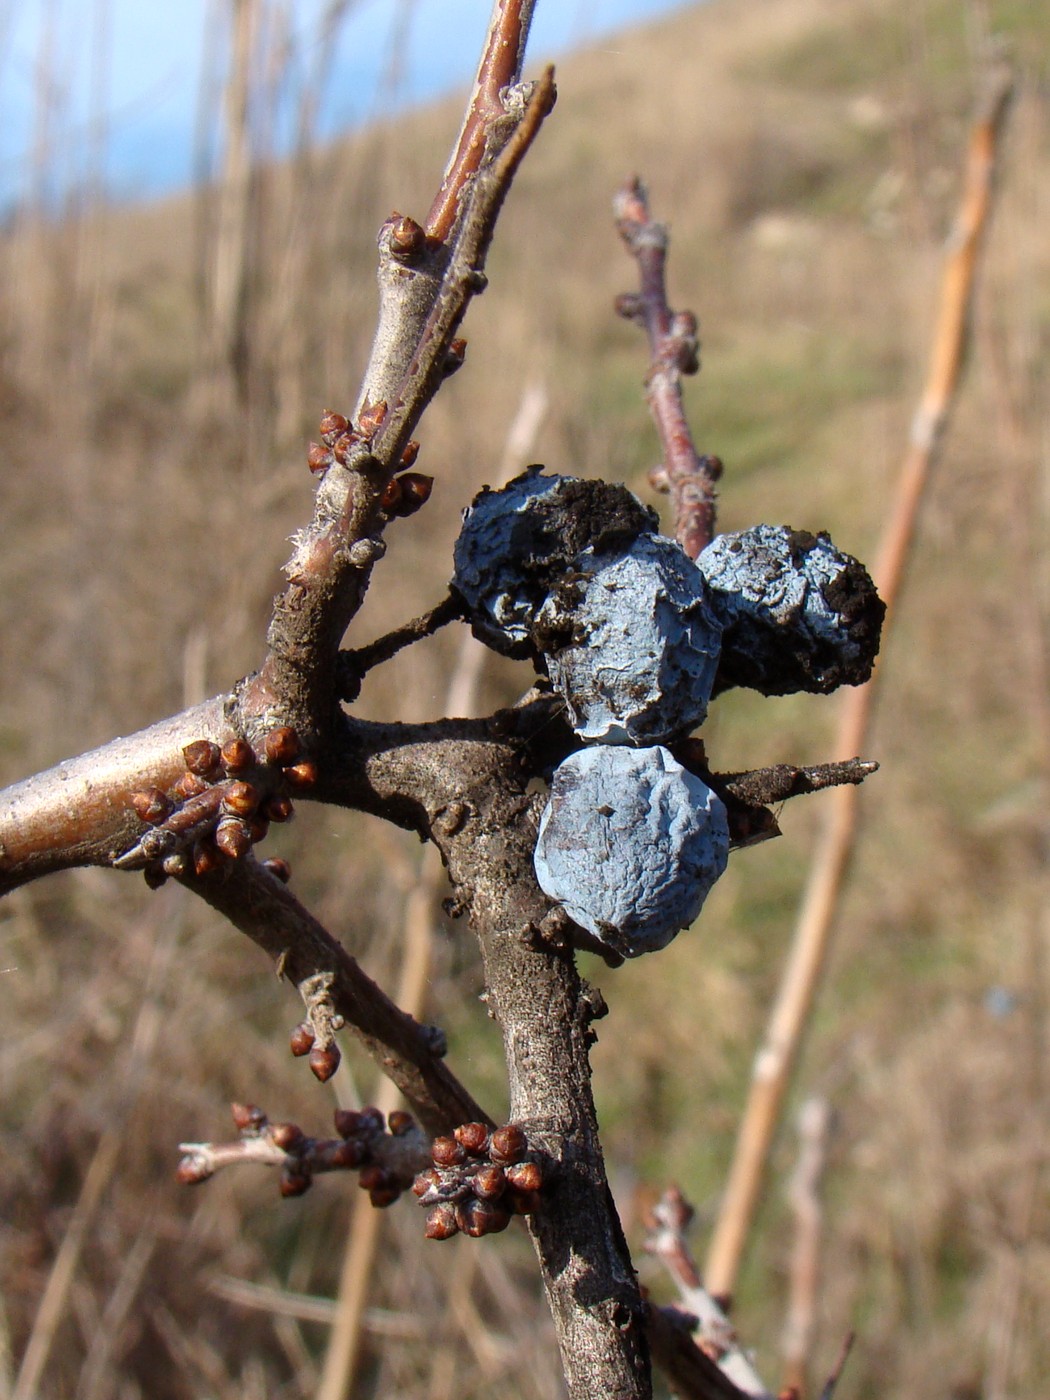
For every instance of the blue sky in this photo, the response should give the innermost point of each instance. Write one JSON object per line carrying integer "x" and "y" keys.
{"x": 138, "y": 65}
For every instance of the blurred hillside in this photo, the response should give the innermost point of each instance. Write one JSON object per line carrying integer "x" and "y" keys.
{"x": 807, "y": 155}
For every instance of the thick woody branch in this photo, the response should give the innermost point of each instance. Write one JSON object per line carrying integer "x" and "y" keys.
{"x": 674, "y": 350}
{"x": 79, "y": 812}
{"x": 545, "y": 1012}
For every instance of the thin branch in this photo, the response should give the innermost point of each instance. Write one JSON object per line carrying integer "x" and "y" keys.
{"x": 790, "y": 1015}
{"x": 712, "y": 1330}
{"x": 500, "y": 67}
{"x": 692, "y": 1373}
{"x": 674, "y": 350}
{"x": 364, "y": 659}
{"x": 263, "y": 908}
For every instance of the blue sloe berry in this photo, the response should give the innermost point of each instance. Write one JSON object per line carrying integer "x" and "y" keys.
{"x": 632, "y": 642}
{"x": 516, "y": 543}
{"x": 798, "y": 613}
{"x": 630, "y": 843}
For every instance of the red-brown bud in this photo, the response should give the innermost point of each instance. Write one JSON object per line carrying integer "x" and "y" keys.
{"x": 474, "y": 1137}
{"x": 399, "y": 1122}
{"x": 371, "y": 420}
{"x": 192, "y": 1170}
{"x": 202, "y": 757}
{"x": 247, "y": 1116}
{"x": 441, "y": 1222}
{"x": 525, "y": 1176}
{"x": 476, "y": 1218}
{"x": 151, "y": 805}
{"x": 382, "y": 1196}
{"x": 301, "y": 1041}
{"x": 342, "y": 446}
{"x": 348, "y": 1122}
{"x": 507, "y": 1145}
{"x": 374, "y": 1178}
{"x": 489, "y": 1183}
{"x": 332, "y": 424}
{"x": 319, "y": 457}
{"x": 240, "y": 798}
{"x": 447, "y": 1152}
{"x": 189, "y": 785}
{"x": 390, "y": 500}
{"x": 409, "y": 453}
{"x": 406, "y": 238}
{"x": 276, "y": 865}
{"x": 281, "y": 745}
{"x": 155, "y": 876}
{"x": 206, "y": 857}
{"x": 233, "y": 838}
{"x": 456, "y": 354}
{"x": 413, "y": 491}
{"x": 237, "y": 755}
{"x": 301, "y": 775}
{"x": 286, "y": 1135}
{"x": 294, "y": 1182}
{"x": 278, "y": 809}
{"x": 345, "y": 1154}
{"x": 324, "y": 1061}
{"x": 425, "y": 1180}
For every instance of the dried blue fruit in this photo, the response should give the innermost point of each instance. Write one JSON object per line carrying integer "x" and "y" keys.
{"x": 632, "y": 642}
{"x": 630, "y": 843}
{"x": 798, "y": 613}
{"x": 517, "y": 542}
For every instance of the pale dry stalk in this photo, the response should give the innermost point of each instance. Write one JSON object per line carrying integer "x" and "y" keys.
{"x": 776, "y": 1059}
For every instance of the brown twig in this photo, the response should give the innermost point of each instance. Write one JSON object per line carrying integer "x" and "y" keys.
{"x": 790, "y": 1015}
{"x": 363, "y": 659}
{"x": 262, "y": 907}
{"x": 500, "y": 67}
{"x": 712, "y": 1330}
{"x": 388, "y": 1161}
{"x": 687, "y": 474}
{"x": 692, "y": 1373}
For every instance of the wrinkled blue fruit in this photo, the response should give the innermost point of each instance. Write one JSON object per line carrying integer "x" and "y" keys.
{"x": 798, "y": 613}
{"x": 516, "y": 543}
{"x": 643, "y": 646}
{"x": 630, "y": 843}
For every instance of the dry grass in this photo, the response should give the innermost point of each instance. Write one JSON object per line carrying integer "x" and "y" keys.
{"x": 805, "y": 154}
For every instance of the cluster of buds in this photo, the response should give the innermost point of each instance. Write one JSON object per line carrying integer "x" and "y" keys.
{"x": 479, "y": 1181}
{"x": 221, "y": 806}
{"x": 341, "y": 440}
{"x": 385, "y": 1153}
